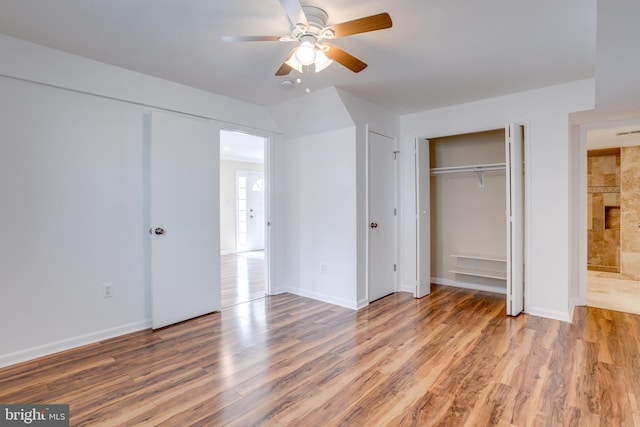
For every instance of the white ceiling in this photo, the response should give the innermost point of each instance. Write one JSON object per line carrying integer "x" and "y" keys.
{"x": 620, "y": 136}
{"x": 241, "y": 147}
{"x": 439, "y": 52}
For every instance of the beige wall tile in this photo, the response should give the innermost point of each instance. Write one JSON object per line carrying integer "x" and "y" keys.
{"x": 630, "y": 199}
{"x": 630, "y": 265}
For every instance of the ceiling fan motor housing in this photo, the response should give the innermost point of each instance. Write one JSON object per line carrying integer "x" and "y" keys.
{"x": 317, "y": 19}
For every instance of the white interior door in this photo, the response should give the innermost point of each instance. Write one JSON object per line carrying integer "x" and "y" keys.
{"x": 184, "y": 218}
{"x": 382, "y": 216}
{"x": 423, "y": 219}
{"x": 253, "y": 211}
{"x": 515, "y": 218}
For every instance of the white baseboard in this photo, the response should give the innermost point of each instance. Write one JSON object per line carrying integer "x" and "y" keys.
{"x": 474, "y": 286}
{"x": 325, "y": 298}
{"x": 550, "y": 314}
{"x": 572, "y": 308}
{"x": 362, "y": 303}
{"x": 407, "y": 288}
{"x": 69, "y": 343}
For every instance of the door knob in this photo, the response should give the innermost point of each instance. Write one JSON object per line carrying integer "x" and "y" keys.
{"x": 374, "y": 225}
{"x": 159, "y": 231}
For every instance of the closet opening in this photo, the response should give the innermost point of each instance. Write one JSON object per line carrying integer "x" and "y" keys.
{"x": 474, "y": 179}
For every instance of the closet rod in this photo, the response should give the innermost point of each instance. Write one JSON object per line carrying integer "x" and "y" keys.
{"x": 471, "y": 168}
{"x": 479, "y": 169}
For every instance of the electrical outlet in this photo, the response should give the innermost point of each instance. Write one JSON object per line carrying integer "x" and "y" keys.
{"x": 323, "y": 268}
{"x": 107, "y": 290}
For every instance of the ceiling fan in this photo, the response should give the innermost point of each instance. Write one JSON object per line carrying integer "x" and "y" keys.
{"x": 309, "y": 29}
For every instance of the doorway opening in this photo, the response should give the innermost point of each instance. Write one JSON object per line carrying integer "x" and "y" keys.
{"x": 243, "y": 245}
{"x": 613, "y": 206}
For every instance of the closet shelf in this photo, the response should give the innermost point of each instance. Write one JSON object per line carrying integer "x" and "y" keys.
{"x": 496, "y": 258}
{"x": 491, "y": 274}
{"x": 490, "y": 266}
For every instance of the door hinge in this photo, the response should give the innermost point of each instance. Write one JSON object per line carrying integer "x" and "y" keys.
{"x": 395, "y": 268}
{"x": 395, "y": 211}
{"x": 395, "y": 154}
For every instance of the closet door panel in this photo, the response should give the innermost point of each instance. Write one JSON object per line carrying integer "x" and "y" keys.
{"x": 423, "y": 220}
{"x": 515, "y": 219}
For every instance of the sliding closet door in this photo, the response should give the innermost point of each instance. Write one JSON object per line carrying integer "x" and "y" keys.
{"x": 515, "y": 219}
{"x": 423, "y": 220}
{"x": 184, "y": 218}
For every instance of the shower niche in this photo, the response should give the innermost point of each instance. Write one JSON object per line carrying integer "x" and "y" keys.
{"x": 612, "y": 217}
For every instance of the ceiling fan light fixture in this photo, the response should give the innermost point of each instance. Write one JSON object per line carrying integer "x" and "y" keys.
{"x": 294, "y": 64}
{"x": 305, "y": 53}
{"x": 321, "y": 61}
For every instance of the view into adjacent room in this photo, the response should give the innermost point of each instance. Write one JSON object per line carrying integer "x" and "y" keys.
{"x": 242, "y": 217}
{"x": 613, "y": 219}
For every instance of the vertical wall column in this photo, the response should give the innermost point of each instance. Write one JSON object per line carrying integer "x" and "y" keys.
{"x": 630, "y": 212}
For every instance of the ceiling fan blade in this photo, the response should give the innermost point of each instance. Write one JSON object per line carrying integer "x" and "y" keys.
{"x": 285, "y": 68}
{"x": 294, "y": 12}
{"x": 250, "y": 38}
{"x": 362, "y": 25}
{"x": 344, "y": 58}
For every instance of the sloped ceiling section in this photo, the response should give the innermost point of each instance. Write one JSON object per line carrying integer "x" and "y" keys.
{"x": 618, "y": 55}
{"x": 39, "y": 64}
{"x": 316, "y": 112}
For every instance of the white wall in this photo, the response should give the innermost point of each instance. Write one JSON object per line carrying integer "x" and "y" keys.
{"x": 544, "y": 112}
{"x": 228, "y": 169}
{"x": 617, "y": 55}
{"x": 73, "y": 215}
{"x": 321, "y": 216}
{"x": 308, "y": 124}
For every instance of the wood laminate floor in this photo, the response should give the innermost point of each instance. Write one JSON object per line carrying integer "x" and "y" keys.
{"x": 450, "y": 359}
{"x": 242, "y": 277}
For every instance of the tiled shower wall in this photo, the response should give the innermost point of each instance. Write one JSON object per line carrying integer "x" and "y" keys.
{"x": 613, "y": 216}
{"x": 603, "y": 217}
{"x": 630, "y": 212}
